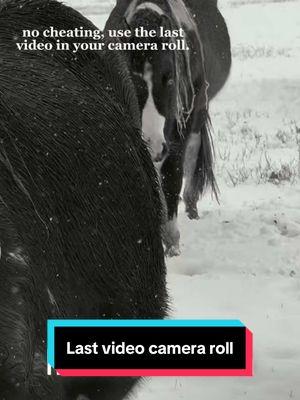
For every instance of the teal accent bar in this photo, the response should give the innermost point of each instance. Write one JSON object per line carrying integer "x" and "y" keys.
{"x": 130, "y": 323}
{"x": 144, "y": 323}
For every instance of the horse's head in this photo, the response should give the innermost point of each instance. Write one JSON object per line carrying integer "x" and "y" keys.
{"x": 160, "y": 77}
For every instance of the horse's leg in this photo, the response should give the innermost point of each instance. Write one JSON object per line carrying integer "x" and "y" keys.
{"x": 171, "y": 178}
{"x": 172, "y": 174}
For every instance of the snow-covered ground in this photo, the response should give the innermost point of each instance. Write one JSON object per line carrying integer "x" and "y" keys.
{"x": 242, "y": 258}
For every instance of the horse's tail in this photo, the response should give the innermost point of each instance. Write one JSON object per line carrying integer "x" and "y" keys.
{"x": 205, "y": 161}
{"x": 199, "y": 164}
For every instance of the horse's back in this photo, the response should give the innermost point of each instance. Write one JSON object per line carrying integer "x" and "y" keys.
{"x": 215, "y": 41}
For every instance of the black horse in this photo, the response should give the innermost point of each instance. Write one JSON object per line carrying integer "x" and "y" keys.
{"x": 174, "y": 90}
{"x": 79, "y": 202}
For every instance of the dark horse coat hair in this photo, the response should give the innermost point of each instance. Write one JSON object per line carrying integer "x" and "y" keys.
{"x": 183, "y": 83}
{"x": 79, "y": 202}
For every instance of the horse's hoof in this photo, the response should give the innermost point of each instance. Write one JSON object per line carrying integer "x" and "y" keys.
{"x": 173, "y": 251}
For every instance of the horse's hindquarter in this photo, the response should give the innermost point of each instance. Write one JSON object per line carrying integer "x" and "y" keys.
{"x": 215, "y": 41}
{"x": 79, "y": 161}
{"x": 79, "y": 189}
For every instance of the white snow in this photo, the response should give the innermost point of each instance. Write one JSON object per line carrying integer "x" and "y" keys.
{"x": 242, "y": 258}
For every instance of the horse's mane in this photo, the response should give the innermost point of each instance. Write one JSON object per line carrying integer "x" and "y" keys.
{"x": 178, "y": 16}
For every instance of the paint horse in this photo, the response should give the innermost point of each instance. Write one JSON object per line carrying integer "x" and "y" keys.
{"x": 174, "y": 89}
{"x": 79, "y": 202}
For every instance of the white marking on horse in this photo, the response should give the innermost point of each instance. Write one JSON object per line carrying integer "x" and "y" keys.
{"x": 148, "y": 5}
{"x": 152, "y": 122}
{"x": 190, "y": 163}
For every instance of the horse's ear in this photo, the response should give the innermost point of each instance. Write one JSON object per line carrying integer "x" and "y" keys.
{"x": 127, "y": 26}
{"x": 165, "y": 21}
{"x": 126, "y": 23}
{"x": 129, "y": 9}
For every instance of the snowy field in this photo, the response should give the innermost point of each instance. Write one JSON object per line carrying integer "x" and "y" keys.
{"x": 242, "y": 258}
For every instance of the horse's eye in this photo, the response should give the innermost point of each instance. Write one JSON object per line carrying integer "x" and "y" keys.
{"x": 167, "y": 80}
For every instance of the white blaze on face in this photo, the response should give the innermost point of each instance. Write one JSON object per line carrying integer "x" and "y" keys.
{"x": 152, "y": 122}
{"x": 148, "y": 5}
